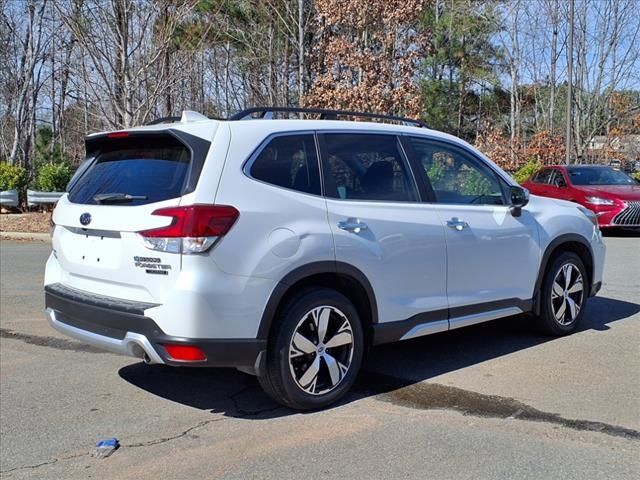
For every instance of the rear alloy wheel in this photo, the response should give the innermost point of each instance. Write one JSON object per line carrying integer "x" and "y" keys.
{"x": 321, "y": 350}
{"x": 315, "y": 351}
{"x": 564, "y": 294}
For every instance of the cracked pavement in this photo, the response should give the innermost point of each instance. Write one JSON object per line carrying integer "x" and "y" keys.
{"x": 489, "y": 401}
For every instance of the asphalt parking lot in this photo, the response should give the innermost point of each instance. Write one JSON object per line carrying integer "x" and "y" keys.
{"x": 489, "y": 401}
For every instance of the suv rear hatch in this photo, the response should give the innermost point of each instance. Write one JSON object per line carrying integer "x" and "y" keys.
{"x": 126, "y": 177}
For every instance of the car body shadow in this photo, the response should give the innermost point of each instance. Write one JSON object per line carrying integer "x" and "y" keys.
{"x": 388, "y": 367}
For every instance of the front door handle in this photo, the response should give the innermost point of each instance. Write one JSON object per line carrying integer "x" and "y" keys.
{"x": 457, "y": 224}
{"x": 353, "y": 225}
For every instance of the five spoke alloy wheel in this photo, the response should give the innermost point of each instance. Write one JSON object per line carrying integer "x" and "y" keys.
{"x": 321, "y": 350}
{"x": 565, "y": 289}
{"x": 567, "y": 294}
{"x": 314, "y": 351}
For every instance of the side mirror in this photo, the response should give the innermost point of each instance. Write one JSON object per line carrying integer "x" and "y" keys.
{"x": 518, "y": 197}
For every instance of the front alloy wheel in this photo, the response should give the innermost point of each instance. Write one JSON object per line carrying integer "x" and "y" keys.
{"x": 563, "y": 295}
{"x": 567, "y": 294}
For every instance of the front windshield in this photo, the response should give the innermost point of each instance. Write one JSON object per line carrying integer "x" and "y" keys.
{"x": 598, "y": 176}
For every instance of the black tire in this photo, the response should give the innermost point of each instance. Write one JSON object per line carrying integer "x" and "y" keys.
{"x": 550, "y": 320}
{"x": 282, "y": 375}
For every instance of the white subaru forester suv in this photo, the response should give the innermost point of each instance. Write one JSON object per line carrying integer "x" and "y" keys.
{"x": 288, "y": 247}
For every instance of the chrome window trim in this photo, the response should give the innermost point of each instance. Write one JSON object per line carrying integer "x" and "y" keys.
{"x": 502, "y": 177}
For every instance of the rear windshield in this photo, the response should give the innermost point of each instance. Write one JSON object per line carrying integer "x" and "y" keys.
{"x": 134, "y": 171}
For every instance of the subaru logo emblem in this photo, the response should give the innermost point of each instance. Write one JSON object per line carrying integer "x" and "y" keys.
{"x": 85, "y": 219}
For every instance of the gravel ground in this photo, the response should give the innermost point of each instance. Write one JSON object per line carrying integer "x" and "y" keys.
{"x": 33, "y": 222}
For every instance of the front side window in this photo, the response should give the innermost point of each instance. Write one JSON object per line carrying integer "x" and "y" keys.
{"x": 456, "y": 176}
{"x": 289, "y": 161}
{"x": 558, "y": 179}
{"x": 366, "y": 167}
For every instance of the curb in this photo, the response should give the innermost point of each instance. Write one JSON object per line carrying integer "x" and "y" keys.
{"x": 35, "y": 237}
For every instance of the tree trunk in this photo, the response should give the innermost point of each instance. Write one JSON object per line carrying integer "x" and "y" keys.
{"x": 554, "y": 59}
{"x": 300, "y": 52}
{"x": 514, "y": 94}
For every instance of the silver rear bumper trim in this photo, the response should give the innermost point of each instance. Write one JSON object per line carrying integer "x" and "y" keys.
{"x": 133, "y": 344}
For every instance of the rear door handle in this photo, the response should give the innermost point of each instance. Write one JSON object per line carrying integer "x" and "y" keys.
{"x": 353, "y": 225}
{"x": 457, "y": 224}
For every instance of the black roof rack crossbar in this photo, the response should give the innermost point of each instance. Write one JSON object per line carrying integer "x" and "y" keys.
{"x": 267, "y": 113}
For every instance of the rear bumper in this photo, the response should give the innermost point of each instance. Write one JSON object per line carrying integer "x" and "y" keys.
{"x": 120, "y": 326}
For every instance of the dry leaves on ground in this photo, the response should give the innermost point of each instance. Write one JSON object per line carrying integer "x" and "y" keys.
{"x": 33, "y": 222}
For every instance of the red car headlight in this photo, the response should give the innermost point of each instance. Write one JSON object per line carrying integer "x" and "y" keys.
{"x": 599, "y": 201}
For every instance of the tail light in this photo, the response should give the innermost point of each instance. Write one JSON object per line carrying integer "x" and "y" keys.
{"x": 194, "y": 228}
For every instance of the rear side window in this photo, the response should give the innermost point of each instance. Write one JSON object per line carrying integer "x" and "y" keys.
{"x": 289, "y": 161}
{"x": 366, "y": 167}
{"x": 543, "y": 176}
{"x": 134, "y": 171}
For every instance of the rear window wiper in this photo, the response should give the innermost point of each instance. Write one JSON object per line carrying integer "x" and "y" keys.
{"x": 117, "y": 197}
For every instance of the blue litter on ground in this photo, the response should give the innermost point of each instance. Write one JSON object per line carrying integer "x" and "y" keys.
{"x": 106, "y": 447}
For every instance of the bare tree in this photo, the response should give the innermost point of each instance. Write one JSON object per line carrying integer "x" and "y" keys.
{"x": 608, "y": 60}
{"x": 115, "y": 39}
{"x": 81, "y": 65}
{"x": 25, "y": 41}
{"x": 510, "y": 38}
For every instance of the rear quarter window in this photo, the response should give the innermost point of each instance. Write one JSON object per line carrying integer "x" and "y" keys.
{"x": 289, "y": 161}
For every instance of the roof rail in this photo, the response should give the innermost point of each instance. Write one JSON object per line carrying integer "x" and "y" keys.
{"x": 267, "y": 113}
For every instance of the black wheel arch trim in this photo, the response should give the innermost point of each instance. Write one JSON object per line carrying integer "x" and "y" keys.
{"x": 546, "y": 256}
{"x": 306, "y": 271}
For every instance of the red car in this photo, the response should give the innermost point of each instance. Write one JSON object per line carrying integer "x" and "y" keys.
{"x": 611, "y": 194}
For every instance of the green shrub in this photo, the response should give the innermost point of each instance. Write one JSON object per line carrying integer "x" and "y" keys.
{"x": 435, "y": 173}
{"x": 636, "y": 176}
{"x": 12, "y": 177}
{"x": 475, "y": 184}
{"x": 528, "y": 169}
{"x": 53, "y": 177}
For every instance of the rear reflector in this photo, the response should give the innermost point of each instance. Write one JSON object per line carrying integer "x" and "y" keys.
{"x": 194, "y": 229}
{"x": 184, "y": 353}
